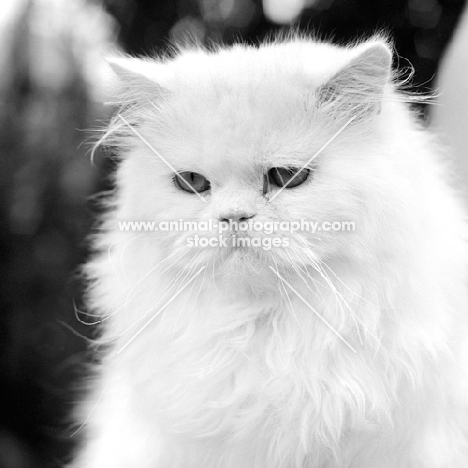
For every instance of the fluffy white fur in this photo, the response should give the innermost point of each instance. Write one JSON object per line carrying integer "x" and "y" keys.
{"x": 237, "y": 372}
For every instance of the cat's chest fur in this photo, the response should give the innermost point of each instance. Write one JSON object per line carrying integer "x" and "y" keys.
{"x": 261, "y": 381}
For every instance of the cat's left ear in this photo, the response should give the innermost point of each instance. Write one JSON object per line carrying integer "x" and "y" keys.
{"x": 132, "y": 80}
{"x": 358, "y": 88}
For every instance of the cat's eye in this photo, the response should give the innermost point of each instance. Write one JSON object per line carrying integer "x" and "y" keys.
{"x": 288, "y": 177}
{"x": 191, "y": 182}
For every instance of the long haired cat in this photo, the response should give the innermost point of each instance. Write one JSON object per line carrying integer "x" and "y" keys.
{"x": 298, "y": 347}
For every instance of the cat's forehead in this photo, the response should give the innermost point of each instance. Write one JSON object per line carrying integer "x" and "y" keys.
{"x": 240, "y": 130}
{"x": 232, "y": 107}
{"x": 240, "y": 108}
{"x": 238, "y": 138}
{"x": 248, "y": 65}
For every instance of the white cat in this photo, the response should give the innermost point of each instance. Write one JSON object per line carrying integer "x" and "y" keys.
{"x": 332, "y": 348}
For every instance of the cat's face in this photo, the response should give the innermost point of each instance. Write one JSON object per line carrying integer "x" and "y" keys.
{"x": 263, "y": 148}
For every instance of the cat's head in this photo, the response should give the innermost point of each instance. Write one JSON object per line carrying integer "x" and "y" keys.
{"x": 285, "y": 132}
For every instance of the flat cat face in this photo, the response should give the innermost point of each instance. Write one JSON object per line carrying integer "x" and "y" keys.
{"x": 213, "y": 135}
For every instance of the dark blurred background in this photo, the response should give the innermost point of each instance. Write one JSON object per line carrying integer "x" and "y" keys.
{"x": 50, "y": 93}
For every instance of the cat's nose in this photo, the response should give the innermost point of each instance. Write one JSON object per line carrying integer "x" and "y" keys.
{"x": 237, "y": 216}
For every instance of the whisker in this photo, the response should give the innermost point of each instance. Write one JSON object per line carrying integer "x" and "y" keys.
{"x": 89, "y": 414}
{"x": 163, "y": 308}
{"x": 315, "y": 262}
{"x": 130, "y": 295}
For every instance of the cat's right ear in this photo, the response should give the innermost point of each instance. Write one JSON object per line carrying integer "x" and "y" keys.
{"x": 132, "y": 81}
{"x": 357, "y": 89}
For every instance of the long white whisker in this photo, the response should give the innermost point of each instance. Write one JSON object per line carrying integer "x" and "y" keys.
{"x": 159, "y": 311}
{"x": 315, "y": 311}
{"x": 130, "y": 295}
{"x": 316, "y": 264}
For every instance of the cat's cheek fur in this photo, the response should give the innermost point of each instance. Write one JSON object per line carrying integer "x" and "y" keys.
{"x": 357, "y": 358}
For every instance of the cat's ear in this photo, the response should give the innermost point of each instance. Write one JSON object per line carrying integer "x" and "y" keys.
{"x": 357, "y": 89}
{"x": 132, "y": 80}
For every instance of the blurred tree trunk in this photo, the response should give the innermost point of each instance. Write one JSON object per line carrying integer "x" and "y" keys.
{"x": 50, "y": 73}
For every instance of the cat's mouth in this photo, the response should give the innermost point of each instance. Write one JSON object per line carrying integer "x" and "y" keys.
{"x": 243, "y": 262}
{"x": 247, "y": 250}
{"x": 245, "y": 244}
{"x": 241, "y": 246}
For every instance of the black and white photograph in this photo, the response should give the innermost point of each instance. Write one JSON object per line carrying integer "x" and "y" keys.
{"x": 234, "y": 234}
